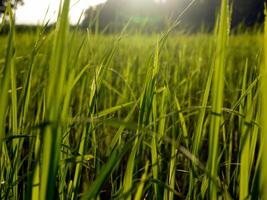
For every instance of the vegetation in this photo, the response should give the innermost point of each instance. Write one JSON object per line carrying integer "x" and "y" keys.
{"x": 132, "y": 116}
{"x": 154, "y": 15}
{"x": 5, "y": 3}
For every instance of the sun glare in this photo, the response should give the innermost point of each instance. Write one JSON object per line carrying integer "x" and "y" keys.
{"x": 34, "y": 12}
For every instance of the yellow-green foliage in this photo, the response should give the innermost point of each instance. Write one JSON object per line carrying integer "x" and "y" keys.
{"x": 170, "y": 116}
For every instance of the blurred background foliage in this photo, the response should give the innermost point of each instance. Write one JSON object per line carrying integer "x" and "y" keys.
{"x": 154, "y": 15}
{"x": 157, "y": 15}
{"x": 13, "y": 3}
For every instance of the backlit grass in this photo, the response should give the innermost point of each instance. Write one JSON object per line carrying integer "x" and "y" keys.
{"x": 132, "y": 116}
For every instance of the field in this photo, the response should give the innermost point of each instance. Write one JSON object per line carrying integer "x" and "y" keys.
{"x": 132, "y": 116}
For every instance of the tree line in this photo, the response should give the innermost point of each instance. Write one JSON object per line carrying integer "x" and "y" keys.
{"x": 154, "y": 15}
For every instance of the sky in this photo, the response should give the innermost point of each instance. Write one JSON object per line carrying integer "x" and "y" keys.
{"x": 34, "y": 11}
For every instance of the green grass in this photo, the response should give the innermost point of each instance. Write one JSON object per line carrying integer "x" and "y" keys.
{"x": 264, "y": 113}
{"x": 218, "y": 95}
{"x": 132, "y": 116}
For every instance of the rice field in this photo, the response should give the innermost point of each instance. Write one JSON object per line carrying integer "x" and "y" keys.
{"x": 133, "y": 116}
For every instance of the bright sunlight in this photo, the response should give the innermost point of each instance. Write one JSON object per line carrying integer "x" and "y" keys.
{"x": 33, "y": 12}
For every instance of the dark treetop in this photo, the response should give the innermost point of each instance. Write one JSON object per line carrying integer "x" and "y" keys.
{"x": 115, "y": 13}
{"x": 3, "y": 4}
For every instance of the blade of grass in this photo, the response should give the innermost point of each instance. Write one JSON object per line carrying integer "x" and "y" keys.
{"x": 105, "y": 172}
{"x": 217, "y": 95}
{"x": 264, "y": 115}
{"x": 138, "y": 194}
{"x": 4, "y": 87}
{"x": 57, "y": 76}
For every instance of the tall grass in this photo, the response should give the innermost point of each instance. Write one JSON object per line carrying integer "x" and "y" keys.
{"x": 53, "y": 134}
{"x": 132, "y": 116}
{"x": 264, "y": 112}
{"x": 218, "y": 95}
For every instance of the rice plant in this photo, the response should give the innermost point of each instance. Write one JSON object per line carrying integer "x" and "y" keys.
{"x": 88, "y": 115}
